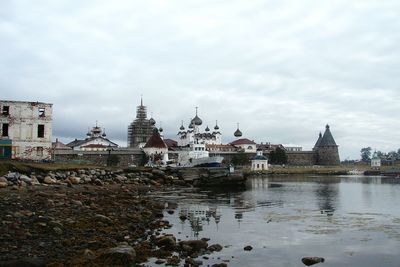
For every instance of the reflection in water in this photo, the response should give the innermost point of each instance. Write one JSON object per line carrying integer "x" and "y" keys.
{"x": 327, "y": 194}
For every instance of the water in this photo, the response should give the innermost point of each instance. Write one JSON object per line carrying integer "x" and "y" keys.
{"x": 348, "y": 220}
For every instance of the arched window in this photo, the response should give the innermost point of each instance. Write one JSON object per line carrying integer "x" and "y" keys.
{"x": 249, "y": 147}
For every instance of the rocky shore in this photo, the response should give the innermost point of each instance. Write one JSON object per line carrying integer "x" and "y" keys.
{"x": 90, "y": 217}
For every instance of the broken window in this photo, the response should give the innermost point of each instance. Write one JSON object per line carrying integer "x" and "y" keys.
{"x": 5, "y": 110}
{"x": 40, "y": 132}
{"x": 4, "y": 130}
{"x": 39, "y": 151}
{"x": 41, "y": 112}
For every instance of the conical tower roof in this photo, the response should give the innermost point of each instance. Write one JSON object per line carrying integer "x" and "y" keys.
{"x": 319, "y": 140}
{"x": 155, "y": 140}
{"x": 327, "y": 138}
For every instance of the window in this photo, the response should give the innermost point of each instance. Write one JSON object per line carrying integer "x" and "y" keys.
{"x": 249, "y": 147}
{"x": 41, "y": 112}
{"x": 40, "y": 132}
{"x": 5, "y": 129}
{"x": 6, "y": 110}
{"x": 39, "y": 151}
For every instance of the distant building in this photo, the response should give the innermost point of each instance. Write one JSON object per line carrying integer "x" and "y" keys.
{"x": 259, "y": 162}
{"x": 244, "y": 145}
{"x": 326, "y": 150}
{"x": 292, "y": 148}
{"x": 375, "y": 161}
{"x": 193, "y": 134}
{"x": 96, "y": 141}
{"x": 26, "y": 130}
{"x": 155, "y": 148}
{"x": 140, "y": 130}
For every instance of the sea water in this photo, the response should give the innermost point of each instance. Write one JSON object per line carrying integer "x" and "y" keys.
{"x": 347, "y": 220}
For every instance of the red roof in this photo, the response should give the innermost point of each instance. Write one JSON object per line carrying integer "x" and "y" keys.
{"x": 170, "y": 142}
{"x": 220, "y": 146}
{"x": 155, "y": 141}
{"x": 242, "y": 141}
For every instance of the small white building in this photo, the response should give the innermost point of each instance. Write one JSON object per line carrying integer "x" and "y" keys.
{"x": 375, "y": 161}
{"x": 155, "y": 148}
{"x": 28, "y": 127}
{"x": 259, "y": 162}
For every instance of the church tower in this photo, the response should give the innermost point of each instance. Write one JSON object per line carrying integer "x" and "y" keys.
{"x": 140, "y": 130}
{"x": 326, "y": 150}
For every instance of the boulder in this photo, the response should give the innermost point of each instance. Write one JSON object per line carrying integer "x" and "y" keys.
{"x": 74, "y": 180}
{"x": 49, "y": 180}
{"x": 312, "y": 260}
{"x": 195, "y": 245}
{"x": 167, "y": 241}
{"x": 123, "y": 255}
{"x": 3, "y": 179}
{"x": 3, "y": 184}
{"x": 26, "y": 179}
{"x": 248, "y": 248}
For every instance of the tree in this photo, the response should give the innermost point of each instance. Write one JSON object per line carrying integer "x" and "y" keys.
{"x": 278, "y": 156}
{"x": 240, "y": 159}
{"x": 366, "y": 154}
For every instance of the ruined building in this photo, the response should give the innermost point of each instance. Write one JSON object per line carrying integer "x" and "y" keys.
{"x": 26, "y": 130}
{"x": 141, "y": 129}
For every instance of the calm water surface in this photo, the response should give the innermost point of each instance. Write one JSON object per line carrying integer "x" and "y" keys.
{"x": 348, "y": 220}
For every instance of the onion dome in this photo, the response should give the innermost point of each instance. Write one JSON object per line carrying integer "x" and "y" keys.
{"x": 161, "y": 130}
{"x": 152, "y": 121}
{"x": 207, "y": 129}
{"x": 237, "y": 133}
{"x": 216, "y": 126}
{"x": 182, "y": 128}
{"x": 88, "y": 132}
{"x": 196, "y": 120}
{"x": 104, "y": 133}
{"x": 191, "y": 126}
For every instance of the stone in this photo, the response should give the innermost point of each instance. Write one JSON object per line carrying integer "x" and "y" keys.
{"x": 174, "y": 260}
{"x": 26, "y": 179}
{"x": 3, "y": 179}
{"x": 58, "y": 230}
{"x": 3, "y": 184}
{"x": 74, "y": 180}
{"x": 195, "y": 245}
{"x": 168, "y": 242}
{"x": 219, "y": 265}
{"x": 103, "y": 219}
{"x": 49, "y": 180}
{"x": 215, "y": 247}
{"x": 312, "y": 260}
{"x": 122, "y": 255}
{"x": 248, "y": 248}
{"x": 98, "y": 182}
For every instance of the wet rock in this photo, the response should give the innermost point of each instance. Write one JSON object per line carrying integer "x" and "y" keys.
{"x": 248, "y": 248}
{"x": 219, "y": 265}
{"x": 159, "y": 261}
{"x": 122, "y": 255}
{"x": 158, "y": 173}
{"x": 168, "y": 242}
{"x": 174, "y": 260}
{"x": 215, "y": 247}
{"x": 312, "y": 260}
{"x": 194, "y": 245}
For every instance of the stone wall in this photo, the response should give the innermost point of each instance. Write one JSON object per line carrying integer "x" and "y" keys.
{"x": 127, "y": 157}
{"x": 301, "y": 158}
{"x": 328, "y": 156}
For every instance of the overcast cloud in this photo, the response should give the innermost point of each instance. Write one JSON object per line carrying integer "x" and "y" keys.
{"x": 282, "y": 69}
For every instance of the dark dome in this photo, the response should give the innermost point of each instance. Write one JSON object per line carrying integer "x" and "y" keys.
{"x": 238, "y": 133}
{"x": 207, "y": 129}
{"x": 182, "y": 128}
{"x": 191, "y": 126}
{"x": 152, "y": 121}
{"x": 161, "y": 130}
{"x": 197, "y": 121}
{"x": 216, "y": 126}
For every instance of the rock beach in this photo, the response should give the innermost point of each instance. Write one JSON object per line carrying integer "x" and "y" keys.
{"x": 89, "y": 217}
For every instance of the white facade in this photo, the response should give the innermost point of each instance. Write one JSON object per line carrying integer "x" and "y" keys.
{"x": 259, "y": 162}
{"x": 29, "y": 126}
{"x": 96, "y": 141}
{"x": 375, "y": 161}
{"x": 245, "y": 145}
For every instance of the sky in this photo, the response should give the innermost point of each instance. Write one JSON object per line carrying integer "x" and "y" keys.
{"x": 282, "y": 69}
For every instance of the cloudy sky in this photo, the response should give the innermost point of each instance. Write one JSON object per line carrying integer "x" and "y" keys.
{"x": 283, "y": 69}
